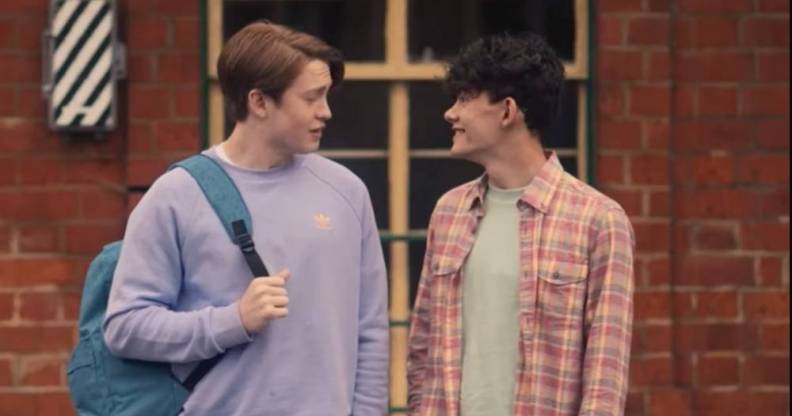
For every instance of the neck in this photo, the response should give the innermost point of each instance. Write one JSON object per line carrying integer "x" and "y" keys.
{"x": 516, "y": 163}
{"x": 247, "y": 147}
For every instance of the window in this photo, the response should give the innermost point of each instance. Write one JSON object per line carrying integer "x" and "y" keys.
{"x": 388, "y": 122}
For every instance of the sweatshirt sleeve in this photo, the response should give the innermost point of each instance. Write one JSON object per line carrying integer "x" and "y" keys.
{"x": 371, "y": 381}
{"x": 140, "y": 321}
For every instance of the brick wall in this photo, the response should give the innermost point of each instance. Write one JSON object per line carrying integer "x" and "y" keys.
{"x": 60, "y": 202}
{"x": 694, "y": 141}
{"x": 693, "y": 138}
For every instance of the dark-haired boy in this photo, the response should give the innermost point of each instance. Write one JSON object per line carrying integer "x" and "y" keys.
{"x": 525, "y": 301}
{"x": 310, "y": 340}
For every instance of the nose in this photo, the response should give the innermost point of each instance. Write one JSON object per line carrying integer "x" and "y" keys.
{"x": 324, "y": 111}
{"x": 451, "y": 114}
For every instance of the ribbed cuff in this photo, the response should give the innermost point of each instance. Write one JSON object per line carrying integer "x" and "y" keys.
{"x": 227, "y": 327}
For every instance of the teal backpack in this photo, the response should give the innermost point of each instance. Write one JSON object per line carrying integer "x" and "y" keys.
{"x": 101, "y": 384}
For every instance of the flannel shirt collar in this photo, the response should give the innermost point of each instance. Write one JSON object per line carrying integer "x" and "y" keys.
{"x": 537, "y": 194}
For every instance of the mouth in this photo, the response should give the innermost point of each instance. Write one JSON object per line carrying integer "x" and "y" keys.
{"x": 317, "y": 130}
{"x": 457, "y": 130}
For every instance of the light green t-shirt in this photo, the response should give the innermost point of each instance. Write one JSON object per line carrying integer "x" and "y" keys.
{"x": 490, "y": 315}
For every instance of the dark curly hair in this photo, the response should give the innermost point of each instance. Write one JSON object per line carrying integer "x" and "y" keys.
{"x": 522, "y": 66}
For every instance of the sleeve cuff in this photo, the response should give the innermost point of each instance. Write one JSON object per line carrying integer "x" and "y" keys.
{"x": 227, "y": 327}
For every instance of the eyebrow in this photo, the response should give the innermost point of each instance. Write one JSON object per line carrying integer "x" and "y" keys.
{"x": 320, "y": 89}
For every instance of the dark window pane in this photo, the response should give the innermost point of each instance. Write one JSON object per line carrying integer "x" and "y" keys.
{"x": 417, "y": 251}
{"x": 374, "y": 173}
{"x": 439, "y": 28}
{"x": 570, "y": 165}
{"x": 360, "y": 116}
{"x": 430, "y": 179}
{"x": 563, "y": 133}
{"x": 356, "y": 27}
{"x": 428, "y": 103}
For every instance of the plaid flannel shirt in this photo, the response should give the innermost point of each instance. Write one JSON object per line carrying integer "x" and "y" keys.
{"x": 575, "y": 300}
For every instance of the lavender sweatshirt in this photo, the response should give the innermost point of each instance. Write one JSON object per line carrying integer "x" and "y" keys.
{"x": 176, "y": 289}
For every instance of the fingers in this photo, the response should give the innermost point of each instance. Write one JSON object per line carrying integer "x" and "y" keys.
{"x": 278, "y": 279}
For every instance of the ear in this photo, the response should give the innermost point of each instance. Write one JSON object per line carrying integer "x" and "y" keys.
{"x": 259, "y": 104}
{"x": 511, "y": 113}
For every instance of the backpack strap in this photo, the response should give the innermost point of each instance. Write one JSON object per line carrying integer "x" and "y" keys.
{"x": 227, "y": 202}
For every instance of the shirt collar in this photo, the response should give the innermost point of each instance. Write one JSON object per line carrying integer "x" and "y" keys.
{"x": 537, "y": 194}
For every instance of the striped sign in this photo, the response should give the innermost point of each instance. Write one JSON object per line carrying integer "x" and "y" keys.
{"x": 82, "y": 83}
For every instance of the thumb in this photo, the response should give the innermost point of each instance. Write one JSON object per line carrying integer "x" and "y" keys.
{"x": 284, "y": 274}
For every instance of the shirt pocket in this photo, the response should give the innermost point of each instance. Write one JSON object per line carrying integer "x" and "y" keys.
{"x": 562, "y": 290}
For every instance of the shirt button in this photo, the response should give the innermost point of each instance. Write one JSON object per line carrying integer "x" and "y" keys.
{"x": 556, "y": 275}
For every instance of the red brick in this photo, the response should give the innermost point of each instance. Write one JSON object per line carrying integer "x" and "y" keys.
{"x": 774, "y": 337}
{"x": 704, "y": 305}
{"x": 634, "y": 405}
{"x": 37, "y": 339}
{"x": 773, "y": 66}
{"x": 765, "y": 169}
{"x": 179, "y": 68}
{"x": 659, "y": 204}
{"x": 143, "y": 172}
{"x": 773, "y": 134}
{"x": 657, "y": 134}
{"x": 684, "y": 32}
{"x": 187, "y": 8}
{"x": 684, "y": 101}
{"x": 30, "y": 29}
{"x": 717, "y": 101}
{"x": 715, "y": 271}
{"x": 35, "y": 133}
{"x": 766, "y": 236}
{"x": 620, "y": 65}
{"x": 147, "y": 33}
{"x": 766, "y": 31}
{"x": 20, "y": 8}
{"x": 176, "y": 136}
{"x": 38, "y": 306}
{"x": 628, "y": 199}
{"x": 652, "y": 237}
{"x": 94, "y": 171}
{"x": 704, "y": 170}
{"x": 714, "y": 66}
{"x": 650, "y": 101}
{"x": 763, "y": 370}
{"x": 611, "y": 100}
{"x": 71, "y": 305}
{"x": 5, "y": 372}
{"x": 25, "y": 403}
{"x": 619, "y": 134}
{"x": 660, "y": 5}
{"x": 774, "y": 5}
{"x": 149, "y": 102}
{"x": 720, "y": 203}
{"x": 645, "y": 31}
{"x": 39, "y": 205}
{"x": 35, "y": 272}
{"x": 651, "y": 372}
{"x": 774, "y": 203}
{"x": 41, "y": 372}
{"x": 683, "y": 369}
{"x": 716, "y": 31}
{"x": 709, "y": 337}
{"x": 740, "y": 403}
{"x": 140, "y": 68}
{"x": 5, "y": 239}
{"x": 721, "y": 371}
{"x": 708, "y": 135}
{"x": 659, "y": 66}
{"x": 30, "y": 103}
{"x": 765, "y": 100}
{"x": 658, "y": 338}
{"x": 609, "y": 6}
{"x": 186, "y": 102}
{"x": 652, "y": 305}
{"x": 649, "y": 169}
{"x": 20, "y": 68}
{"x": 681, "y": 237}
{"x": 611, "y": 30}
{"x": 7, "y": 100}
{"x": 8, "y": 34}
{"x": 90, "y": 238}
{"x": 771, "y": 271}
{"x": 39, "y": 238}
{"x": 140, "y": 138}
{"x": 610, "y": 169}
{"x": 714, "y": 6}
{"x": 132, "y": 200}
{"x": 8, "y": 171}
{"x": 187, "y": 34}
{"x": 712, "y": 237}
{"x": 102, "y": 204}
{"x": 40, "y": 171}
{"x": 669, "y": 402}
{"x": 659, "y": 272}
{"x": 764, "y": 305}
{"x": 6, "y": 306}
